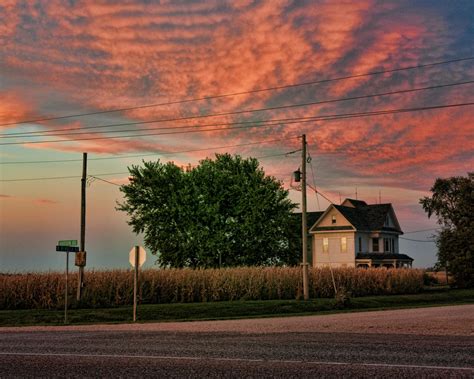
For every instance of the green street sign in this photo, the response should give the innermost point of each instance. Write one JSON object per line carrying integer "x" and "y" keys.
{"x": 67, "y": 243}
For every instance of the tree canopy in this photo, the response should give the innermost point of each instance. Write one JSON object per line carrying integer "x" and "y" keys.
{"x": 224, "y": 212}
{"x": 452, "y": 201}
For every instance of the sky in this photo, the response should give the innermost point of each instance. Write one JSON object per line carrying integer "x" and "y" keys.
{"x": 171, "y": 62}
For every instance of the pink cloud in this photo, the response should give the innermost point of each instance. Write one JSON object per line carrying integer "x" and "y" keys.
{"x": 131, "y": 54}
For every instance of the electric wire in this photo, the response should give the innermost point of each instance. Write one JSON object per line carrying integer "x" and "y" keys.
{"x": 62, "y": 131}
{"x": 419, "y": 231}
{"x": 122, "y": 173}
{"x": 415, "y": 240}
{"x": 432, "y": 64}
{"x": 302, "y": 120}
{"x": 105, "y": 181}
{"x": 152, "y": 154}
{"x": 314, "y": 180}
{"x": 322, "y": 194}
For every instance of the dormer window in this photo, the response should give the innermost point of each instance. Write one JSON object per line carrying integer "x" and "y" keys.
{"x": 333, "y": 220}
{"x": 387, "y": 221}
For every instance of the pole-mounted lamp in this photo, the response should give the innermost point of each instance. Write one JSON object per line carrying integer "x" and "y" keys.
{"x": 297, "y": 176}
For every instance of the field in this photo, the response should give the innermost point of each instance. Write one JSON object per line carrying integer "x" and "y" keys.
{"x": 114, "y": 288}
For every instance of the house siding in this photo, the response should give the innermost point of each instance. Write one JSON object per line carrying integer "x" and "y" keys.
{"x": 334, "y": 257}
{"x": 340, "y": 219}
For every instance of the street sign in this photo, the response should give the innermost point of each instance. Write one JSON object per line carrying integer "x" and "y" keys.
{"x": 67, "y": 249}
{"x": 141, "y": 256}
{"x": 67, "y": 243}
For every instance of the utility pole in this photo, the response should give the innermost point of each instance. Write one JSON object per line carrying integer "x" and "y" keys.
{"x": 80, "y": 282}
{"x": 304, "y": 223}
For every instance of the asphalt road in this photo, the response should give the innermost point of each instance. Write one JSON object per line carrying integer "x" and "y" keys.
{"x": 277, "y": 347}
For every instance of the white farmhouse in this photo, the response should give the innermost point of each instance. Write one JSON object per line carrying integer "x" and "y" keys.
{"x": 356, "y": 234}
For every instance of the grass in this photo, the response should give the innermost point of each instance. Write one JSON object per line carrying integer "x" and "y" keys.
{"x": 232, "y": 309}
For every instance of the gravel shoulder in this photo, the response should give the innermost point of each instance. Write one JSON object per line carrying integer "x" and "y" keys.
{"x": 435, "y": 321}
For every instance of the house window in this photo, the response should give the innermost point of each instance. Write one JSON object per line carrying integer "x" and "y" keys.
{"x": 375, "y": 244}
{"x": 325, "y": 245}
{"x": 360, "y": 244}
{"x": 387, "y": 244}
{"x": 343, "y": 244}
{"x": 333, "y": 219}
{"x": 393, "y": 244}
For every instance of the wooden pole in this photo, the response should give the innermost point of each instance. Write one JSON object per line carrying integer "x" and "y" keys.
{"x": 135, "y": 284}
{"x": 80, "y": 282}
{"x": 304, "y": 223}
{"x": 66, "y": 289}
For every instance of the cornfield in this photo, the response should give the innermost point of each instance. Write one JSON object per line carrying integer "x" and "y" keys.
{"x": 114, "y": 288}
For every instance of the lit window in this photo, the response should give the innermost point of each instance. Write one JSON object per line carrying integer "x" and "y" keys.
{"x": 325, "y": 245}
{"x": 333, "y": 219}
{"x": 343, "y": 245}
{"x": 375, "y": 244}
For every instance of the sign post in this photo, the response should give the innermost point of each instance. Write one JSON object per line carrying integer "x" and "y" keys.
{"x": 137, "y": 257}
{"x": 67, "y": 246}
{"x": 66, "y": 291}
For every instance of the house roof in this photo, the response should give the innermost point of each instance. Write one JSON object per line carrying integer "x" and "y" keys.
{"x": 364, "y": 217}
{"x": 367, "y": 217}
{"x": 379, "y": 256}
{"x": 311, "y": 217}
{"x": 355, "y": 203}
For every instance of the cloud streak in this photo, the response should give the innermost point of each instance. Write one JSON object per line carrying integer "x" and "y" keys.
{"x": 103, "y": 55}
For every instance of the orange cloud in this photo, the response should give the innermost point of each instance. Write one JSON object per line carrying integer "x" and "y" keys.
{"x": 104, "y": 56}
{"x": 13, "y": 108}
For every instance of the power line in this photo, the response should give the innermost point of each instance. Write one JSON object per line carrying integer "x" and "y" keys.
{"x": 320, "y": 193}
{"x": 96, "y": 176}
{"x": 335, "y": 151}
{"x": 122, "y": 173}
{"x": 413, "y": 240}
{"x": 61, "y": 132}
{"x": 242, "y": 92}
{"x": 314, "y": 179}
{"x": 153, "y": 154}
{"x": 419, "y": 231}
{"x": 261, "y": 157}
{"x": 105, "y": 181}
{"x": 300, "y": 120}
{"x": 60, "y": 177}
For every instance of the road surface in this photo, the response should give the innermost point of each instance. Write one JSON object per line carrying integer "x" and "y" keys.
{"x": 428, "y": 342}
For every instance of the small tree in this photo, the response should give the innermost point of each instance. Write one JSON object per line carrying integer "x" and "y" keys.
{"x": 453, "y": 203}
{"x": 224, "y": 212}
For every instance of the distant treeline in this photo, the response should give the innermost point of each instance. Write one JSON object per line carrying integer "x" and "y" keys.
{"x": 114, "y": 288}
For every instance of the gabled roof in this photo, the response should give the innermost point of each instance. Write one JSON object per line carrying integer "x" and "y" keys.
{"x": 355, "y": 203}
{"x": 365, "y": 217}
{"x": 311, "y": 217}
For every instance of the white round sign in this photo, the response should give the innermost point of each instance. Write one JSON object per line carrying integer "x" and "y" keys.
{"x": 141, "y": 256}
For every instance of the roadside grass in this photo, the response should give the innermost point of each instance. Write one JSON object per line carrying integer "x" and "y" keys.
{"x": 233, "y": 309}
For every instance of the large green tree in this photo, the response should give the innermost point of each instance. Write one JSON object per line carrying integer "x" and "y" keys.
{"x": 224, "y": 212}
{"x": 452, "y": 201}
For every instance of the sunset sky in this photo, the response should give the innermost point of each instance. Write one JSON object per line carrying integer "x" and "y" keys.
{"x": 63, "y": 58}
